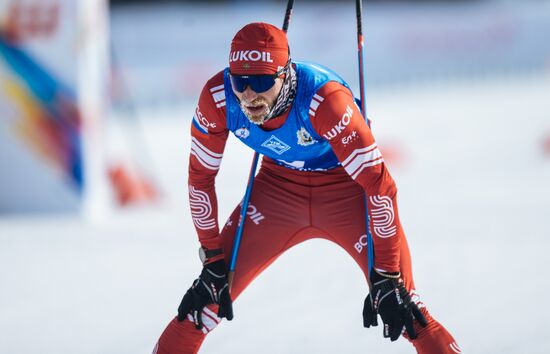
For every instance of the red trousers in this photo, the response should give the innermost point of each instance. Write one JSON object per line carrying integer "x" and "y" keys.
{"x": 288, "y": 207}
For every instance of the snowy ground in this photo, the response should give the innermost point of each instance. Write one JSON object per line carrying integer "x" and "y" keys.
{"x": 474, "y": 200}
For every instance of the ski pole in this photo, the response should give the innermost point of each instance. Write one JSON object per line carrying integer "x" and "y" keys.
{"x": 246, "y": 199}
{"x": 360, "y": 46}
{"x": 288, "y": 15}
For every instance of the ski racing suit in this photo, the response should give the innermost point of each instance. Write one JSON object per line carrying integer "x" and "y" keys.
{"x": 320, "y": 164}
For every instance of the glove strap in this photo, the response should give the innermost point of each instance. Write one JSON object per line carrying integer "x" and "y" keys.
{"x": 395, "y": 275}
{"x": 206, "y": 255}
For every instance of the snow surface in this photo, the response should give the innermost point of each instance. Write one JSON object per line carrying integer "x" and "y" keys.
{"x": 474, "y": 198}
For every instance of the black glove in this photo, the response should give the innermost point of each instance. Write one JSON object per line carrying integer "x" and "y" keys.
{"x": 209, "y": 288}
{"x": 389, "y": 298}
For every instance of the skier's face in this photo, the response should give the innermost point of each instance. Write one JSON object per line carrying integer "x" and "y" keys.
{"x": 256, "y": 106}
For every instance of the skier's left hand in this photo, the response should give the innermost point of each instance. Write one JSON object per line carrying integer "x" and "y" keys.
{"x": 389, "y": 298}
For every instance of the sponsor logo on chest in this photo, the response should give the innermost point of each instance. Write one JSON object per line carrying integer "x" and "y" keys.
{"x": 250, "y": 55}
{"x": 242, "y": 133}
{"x": 276, "y": 145}
{"x": 304, "y": 138}
{"x": 342, "y": 124}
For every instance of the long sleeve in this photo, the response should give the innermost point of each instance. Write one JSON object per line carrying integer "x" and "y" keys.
{"x": 338, "y": 119}
{"x": 208, "y": 137}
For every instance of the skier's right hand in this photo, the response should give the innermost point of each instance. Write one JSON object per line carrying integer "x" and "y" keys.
{"x": 209, "y": 288}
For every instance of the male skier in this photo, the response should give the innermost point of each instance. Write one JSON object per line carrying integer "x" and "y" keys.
{"x": 320, "y": 163}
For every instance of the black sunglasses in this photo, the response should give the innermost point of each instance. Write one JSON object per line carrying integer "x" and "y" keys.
{"x": 258, "y": 83}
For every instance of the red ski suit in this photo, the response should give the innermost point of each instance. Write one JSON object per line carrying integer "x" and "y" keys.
{"x": 290, "y": 206}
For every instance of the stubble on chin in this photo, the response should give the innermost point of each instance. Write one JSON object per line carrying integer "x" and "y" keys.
{"x": 256, "y": 118}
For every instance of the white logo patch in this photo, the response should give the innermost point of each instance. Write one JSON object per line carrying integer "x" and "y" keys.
{"x": 349, "y": 138}
{"x": 304, "y": 138}
{"x": 361, "y": 243}
{"x": 242, "y": 133}
{"x": 201, "y": 209}
{"x": 382, "y": 216}
{"x": 250, "y": 55}
{"x": 254, "y": 214}
{"x": 342, "y": 124}
{"x": 276, "y": 145}
{"x": 294, "y": 164}
{"x": 201, "y": 120}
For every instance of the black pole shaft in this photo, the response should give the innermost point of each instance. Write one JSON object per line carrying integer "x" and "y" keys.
{"x": 360, "y": 45}
{"x": 288, "y": 14}
{"x": 359, "y": 12}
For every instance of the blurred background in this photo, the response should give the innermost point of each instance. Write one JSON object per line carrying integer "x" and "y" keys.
{"x": 96, "y": 241}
